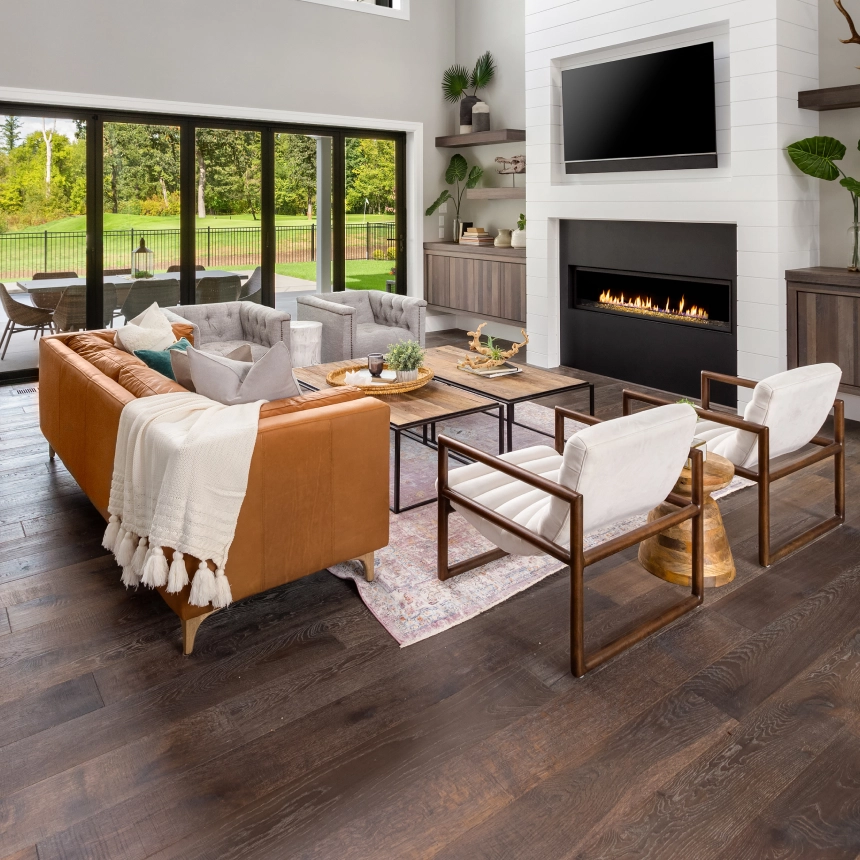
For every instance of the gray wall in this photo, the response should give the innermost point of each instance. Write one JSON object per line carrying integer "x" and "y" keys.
{"x": 837, "y": 64}
{"x": 497, "y": 26}
{"x": 278, "y": 54}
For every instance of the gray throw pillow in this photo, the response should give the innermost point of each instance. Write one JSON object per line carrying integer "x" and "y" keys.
{"x": 181, "y": 367}
{"x": 231, "y": 382}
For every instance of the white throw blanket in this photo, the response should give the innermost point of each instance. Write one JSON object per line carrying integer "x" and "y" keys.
{"x": 179, "y": 478}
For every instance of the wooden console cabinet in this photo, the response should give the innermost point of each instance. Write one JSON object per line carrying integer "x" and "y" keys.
{"x": 487, "y": 282}
{"x": 823, "y": 320}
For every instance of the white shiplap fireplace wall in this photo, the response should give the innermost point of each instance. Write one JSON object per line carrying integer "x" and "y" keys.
{"x": 766, "y": 51}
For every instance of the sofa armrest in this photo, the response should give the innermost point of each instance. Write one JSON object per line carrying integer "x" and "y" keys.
{"x": 264, "y": 325}
{"x": 338, "y": 326}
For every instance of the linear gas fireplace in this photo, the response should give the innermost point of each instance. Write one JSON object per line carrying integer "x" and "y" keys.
{"x": 699, "y": 302}
{"x": 649, "y": 302}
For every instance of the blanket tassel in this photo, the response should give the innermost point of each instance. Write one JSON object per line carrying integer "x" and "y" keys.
{"x": 125, "y": 553}
{"x": 202, "y": 586}
{"x": 178, "y": 576}
{"x": 155, "y": 568}
{"x": 223, "y": 595}
{"x": 139, "y": 557}
{"x": 129, "y": 578}
{"x": 112, "y": 530}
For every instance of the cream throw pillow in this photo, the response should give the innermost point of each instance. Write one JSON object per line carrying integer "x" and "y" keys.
{"x": 232, "y": 382}
{"x": 149, "y": 330}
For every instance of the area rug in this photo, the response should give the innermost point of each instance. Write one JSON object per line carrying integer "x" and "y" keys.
{"x": 405, "y": 596}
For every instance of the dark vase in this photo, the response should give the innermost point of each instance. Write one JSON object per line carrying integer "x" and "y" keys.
{"x": 466, "y": 105}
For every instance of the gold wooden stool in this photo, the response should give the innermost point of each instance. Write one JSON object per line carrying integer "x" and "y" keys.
{"x": 667, "y": 555}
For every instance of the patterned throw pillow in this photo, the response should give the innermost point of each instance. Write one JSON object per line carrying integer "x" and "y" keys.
{"x": 149, "y": 330}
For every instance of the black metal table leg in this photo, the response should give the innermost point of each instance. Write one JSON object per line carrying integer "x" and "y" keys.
{"x": 396, "y": 508}
{"x": 501, "y": 429}
{"x": 591, "y": 398}
{"x": 510, "y": 411}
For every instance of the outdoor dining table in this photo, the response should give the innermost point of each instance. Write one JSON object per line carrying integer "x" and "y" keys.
{"x": 118, "y": 281}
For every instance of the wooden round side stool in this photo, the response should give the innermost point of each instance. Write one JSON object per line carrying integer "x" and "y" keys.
{"x": 668, "y": 554}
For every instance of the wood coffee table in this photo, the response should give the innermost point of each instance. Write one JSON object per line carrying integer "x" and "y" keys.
{"x": 420, "y": 408}
{"x": 532, "y": 384}
{"x": 668, "y": 555}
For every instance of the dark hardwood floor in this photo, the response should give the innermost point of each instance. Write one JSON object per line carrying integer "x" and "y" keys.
{"x": 299, "y": 729}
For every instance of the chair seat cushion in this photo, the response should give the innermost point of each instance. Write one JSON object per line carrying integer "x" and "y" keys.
{"x": 508, "y": 496}
{"x": 371, "y": 337}
{"x": 225, "y": 347}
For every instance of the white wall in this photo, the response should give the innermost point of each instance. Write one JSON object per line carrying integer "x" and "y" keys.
{"x": 284, "y": 55}
{"x": 767, "y": 52}
{"x": 496, "y": 26}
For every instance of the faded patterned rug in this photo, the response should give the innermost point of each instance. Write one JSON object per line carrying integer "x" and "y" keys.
{"x": 406, "y": 597}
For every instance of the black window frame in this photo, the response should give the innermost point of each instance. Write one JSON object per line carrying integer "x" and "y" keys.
{"x": 188, "y": 125}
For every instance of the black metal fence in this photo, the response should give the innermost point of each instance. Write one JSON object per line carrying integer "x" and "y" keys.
{"x": 24, "y": 254}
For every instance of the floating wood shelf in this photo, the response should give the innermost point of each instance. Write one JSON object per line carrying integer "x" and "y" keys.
{"x": 496, "y": 193}
{"x": 482, "y": 138}
{"x": 831, "y": 98}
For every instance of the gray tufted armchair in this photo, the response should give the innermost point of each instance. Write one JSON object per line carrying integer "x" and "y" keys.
{"x": 358, "y": 322}
{"x": 222, "y": 327}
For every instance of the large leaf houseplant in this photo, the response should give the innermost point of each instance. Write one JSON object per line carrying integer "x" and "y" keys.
{"x": 461, "y": 177}
{"x": 817, "y": 156}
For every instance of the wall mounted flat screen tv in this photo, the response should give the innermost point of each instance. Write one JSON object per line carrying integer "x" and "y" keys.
{"x": 654, "y": 112}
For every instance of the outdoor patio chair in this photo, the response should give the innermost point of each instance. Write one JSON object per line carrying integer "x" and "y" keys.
{"x": 143, "y": 293}
{"x": 197, "y": 268}
{"x": 223, "y": 289}
{"x": 785, "y": 414}
{"x": 20, "y": 318}
{"x": 71, "y": 311}
{"x": 49, "y": 298}
{"x": 544, "y": 500}
{"x": 109, "y": 272}
{"x": 252, "y": 289}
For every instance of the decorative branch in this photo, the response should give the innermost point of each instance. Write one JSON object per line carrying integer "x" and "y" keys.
{"x": 855, "y": 36}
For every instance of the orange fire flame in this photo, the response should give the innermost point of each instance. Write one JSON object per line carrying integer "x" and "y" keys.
{"x": 647, "y": 304}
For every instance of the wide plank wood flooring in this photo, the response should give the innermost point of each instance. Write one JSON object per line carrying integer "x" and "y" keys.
{"x": 299, "y": 729}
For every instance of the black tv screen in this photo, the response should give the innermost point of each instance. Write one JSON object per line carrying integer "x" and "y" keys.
{"x": 642, "y": 113}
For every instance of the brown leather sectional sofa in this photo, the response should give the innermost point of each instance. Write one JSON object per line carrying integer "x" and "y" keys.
{"x": 318, "y": 486}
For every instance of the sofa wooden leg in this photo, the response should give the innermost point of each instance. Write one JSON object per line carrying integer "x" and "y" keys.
{"x": 367, "y": 562}
{"x": 189, "y": 631}
{"x": 51, "y": 452}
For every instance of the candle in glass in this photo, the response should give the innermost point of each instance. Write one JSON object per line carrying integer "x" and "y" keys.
{"x": 375, "y": 363}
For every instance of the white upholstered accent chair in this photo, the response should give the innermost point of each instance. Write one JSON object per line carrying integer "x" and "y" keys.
{"x": 545, "y": 500}
{"x": 785, "y": 414}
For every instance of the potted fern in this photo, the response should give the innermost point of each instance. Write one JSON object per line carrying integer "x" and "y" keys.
{"x": 458, "y": 172}
{"x": 405, "y": 359}
{"x": 458, "y": 79}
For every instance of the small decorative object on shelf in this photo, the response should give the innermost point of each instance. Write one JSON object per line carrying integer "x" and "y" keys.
{"x": 503, "y": 240}
{"x": 817, "y": 156}
{"x": 480, "y": 117}
{"x": 459, "y": 175}
{"x": 489, "y": 354}
{"x": 457, "y": 79}
{"x": 142, "y": 261}
{"x": 375, "y": 363}
{"x": 518, "y": 238}
{"x": 514, "y": 165}
{"x": 405, "y": 358}
{"x": 476, "y": 236}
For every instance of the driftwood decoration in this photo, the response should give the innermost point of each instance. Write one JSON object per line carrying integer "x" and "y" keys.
{"x": 490, "y": 355}
{"x": 517, "y": 164}
{"x": 855, "y": 36}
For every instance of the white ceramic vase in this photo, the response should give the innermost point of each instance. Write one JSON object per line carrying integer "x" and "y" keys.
{"x": 518, "y": 239}
{"x": 407, "y": 375}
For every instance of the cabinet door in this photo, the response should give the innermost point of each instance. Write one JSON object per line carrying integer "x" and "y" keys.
{"x": 463, "y": 287}
{"x": 488, "y": 287}
{"x": 513, "y": 292}
{"x": 827, "y": 330}
{"x": 436, "y": 281}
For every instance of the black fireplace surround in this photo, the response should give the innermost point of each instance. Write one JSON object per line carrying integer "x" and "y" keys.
{"x": 650, "y": 302}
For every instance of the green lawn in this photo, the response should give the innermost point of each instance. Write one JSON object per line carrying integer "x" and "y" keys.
{"x": 360, "y": 274}
{"x": 78, "y": 223}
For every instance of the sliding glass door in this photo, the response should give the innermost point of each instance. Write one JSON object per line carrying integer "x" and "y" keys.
{"x": 128, "y": 209}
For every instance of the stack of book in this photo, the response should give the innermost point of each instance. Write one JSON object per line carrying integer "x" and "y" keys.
{"x": 476, "y": 236}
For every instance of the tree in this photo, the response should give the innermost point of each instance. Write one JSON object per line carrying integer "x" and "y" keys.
{"x": 11, "y": 132}
{"x": 49, "y": 153}
{"x": 373, "y": 176}
{"x": 296, "y": 174}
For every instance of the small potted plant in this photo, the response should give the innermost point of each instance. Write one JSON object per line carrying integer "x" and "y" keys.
{"x": 405, "y": 359}
{"x": 518, "y": 237}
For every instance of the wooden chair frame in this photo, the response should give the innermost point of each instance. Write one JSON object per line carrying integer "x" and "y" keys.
{"x": 764, "y": 474}
{"x": 574, "y": 557}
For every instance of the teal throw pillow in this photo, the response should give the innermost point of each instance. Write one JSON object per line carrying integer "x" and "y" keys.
{"x": 159, "y": 359}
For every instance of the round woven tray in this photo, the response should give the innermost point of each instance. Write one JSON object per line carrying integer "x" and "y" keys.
{"x": 336, "y": 377}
